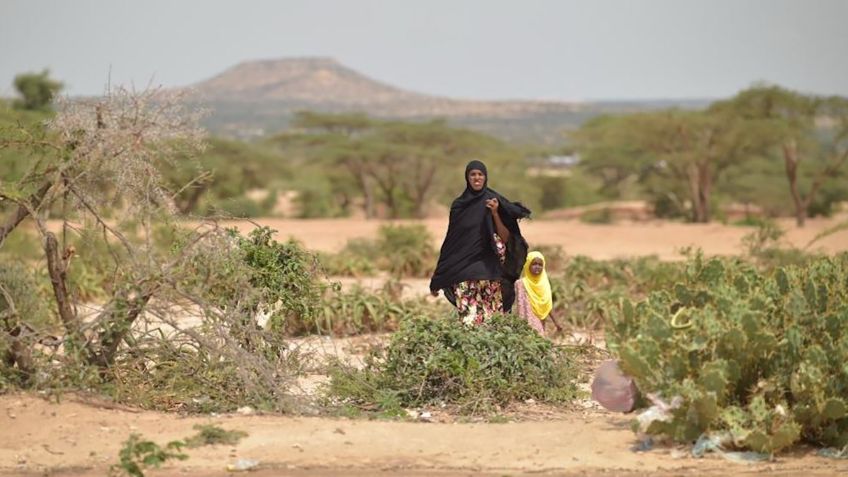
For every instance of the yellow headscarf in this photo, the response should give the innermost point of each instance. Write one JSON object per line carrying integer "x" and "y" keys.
{"x": 538, "y": 287}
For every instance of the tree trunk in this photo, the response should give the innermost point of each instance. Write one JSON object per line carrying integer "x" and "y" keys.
{"x": 790, "y": 160}
{"x": 193, "y": 199}
{"x": 699, "y": 212}
{"x": 57, "y": 269}
{"x": 20, "y": 352}
{"x": 357, "y": 169}
{"x": 422, "y": 185}
{"x": 387, "y": 183}
{"x": 367, "y": 195}
{"x": 391, "y": 203}
{"x": 705, "y": 185}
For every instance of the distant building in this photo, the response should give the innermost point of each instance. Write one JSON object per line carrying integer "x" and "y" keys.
{"x": 562, "y": 161}
{"x": 554, "y": 165}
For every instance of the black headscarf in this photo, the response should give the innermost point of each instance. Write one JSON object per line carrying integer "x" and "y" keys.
{"x": 468, "y": 252}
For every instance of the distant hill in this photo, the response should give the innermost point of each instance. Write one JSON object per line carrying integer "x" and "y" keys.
{"x": 256, "y": 98}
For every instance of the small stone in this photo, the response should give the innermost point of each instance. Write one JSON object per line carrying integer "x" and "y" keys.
{"x": 245, "y": 410}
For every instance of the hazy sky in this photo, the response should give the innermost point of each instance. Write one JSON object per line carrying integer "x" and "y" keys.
{"x": 487, "y": 49}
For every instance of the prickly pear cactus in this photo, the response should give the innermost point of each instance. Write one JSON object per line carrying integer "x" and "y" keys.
{"x": 763, "y": 356}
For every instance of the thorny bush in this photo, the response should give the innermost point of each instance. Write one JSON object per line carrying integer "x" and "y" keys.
{"x": 185, "y": 326}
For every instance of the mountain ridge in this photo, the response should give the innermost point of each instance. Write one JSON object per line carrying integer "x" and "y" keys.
{"x": 258, "y": 97}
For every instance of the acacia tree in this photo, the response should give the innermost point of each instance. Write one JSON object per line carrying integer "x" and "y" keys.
{"x": 421, "y": 153}
{"x": 398, "y": 164}
{"x": 809, "y": 133}
{"x": 36, "y": 89}
{"x": 336, "y": 139}
{"x": 690, "y": 148}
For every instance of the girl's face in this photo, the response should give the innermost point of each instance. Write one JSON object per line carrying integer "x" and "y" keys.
{"x": 477, "y": 179}
{"x": 536, "y": 266}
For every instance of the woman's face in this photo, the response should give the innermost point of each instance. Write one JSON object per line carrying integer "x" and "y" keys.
{"x": 477, "y": 179}
{"x": 536, "y": 266}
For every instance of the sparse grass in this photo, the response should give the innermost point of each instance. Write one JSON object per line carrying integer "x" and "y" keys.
{"x": 210, "y": 435}
{"x": 363, "y": 311}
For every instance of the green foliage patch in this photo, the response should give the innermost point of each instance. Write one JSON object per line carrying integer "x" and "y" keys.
{"x": 139, "y": 454}
{"x": 401, "y": 250}
{"x": 430, "y": 361}
{"x": 759, "y": 355}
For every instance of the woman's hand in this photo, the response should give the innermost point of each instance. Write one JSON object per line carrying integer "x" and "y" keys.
{"x": 492, "y": 204}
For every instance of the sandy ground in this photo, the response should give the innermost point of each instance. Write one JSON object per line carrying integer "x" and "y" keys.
{"x": 660, "y": 238}
{"x": 74, "y": 438}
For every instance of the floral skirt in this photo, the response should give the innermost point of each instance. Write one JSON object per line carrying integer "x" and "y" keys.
{"x": 478, "y": 300}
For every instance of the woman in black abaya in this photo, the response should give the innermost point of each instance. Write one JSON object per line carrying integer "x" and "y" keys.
{"x": 483, "y": 251}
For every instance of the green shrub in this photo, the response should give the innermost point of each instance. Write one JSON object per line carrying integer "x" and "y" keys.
{"x": 22, "y": 245}
{"x": 759, "y": 355}
{"x": 18, "y": 284}
{"x": 315, "y": 199}
{"x": 23, "y": 313}
{"x": 363, "y": 311}
{"x": 402, "y": 250}
{"x": 431, "y": 361}
{"x": 585, "y": 288}
{"x": 406, "y": 250}
{"x": 358, "y": 258}
{"x": 138, "y": 454}
{"x": 237, "y": 207}
{"x": 284, "y": 273}
{"x": 346, "y": 265}
{"x": 763, "y": 246}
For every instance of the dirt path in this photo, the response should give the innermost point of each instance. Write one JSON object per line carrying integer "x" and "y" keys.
{"x": 71, "y": 438}
{"x": 660, "y": 238}
{"x": 602, "y": 242}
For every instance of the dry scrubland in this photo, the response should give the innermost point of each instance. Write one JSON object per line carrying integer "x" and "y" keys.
{"x": 82, "y": 435}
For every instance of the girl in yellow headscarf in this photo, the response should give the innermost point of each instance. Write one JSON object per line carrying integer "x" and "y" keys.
{"x": 533, "y": 292}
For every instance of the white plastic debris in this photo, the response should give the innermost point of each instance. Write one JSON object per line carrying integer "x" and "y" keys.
{"x": 265, "y": 312}
{"x": 242, "y": 465}
{"x": 659, "y": 411}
